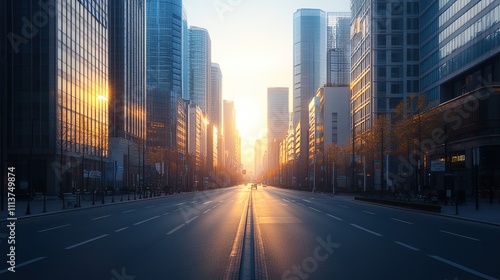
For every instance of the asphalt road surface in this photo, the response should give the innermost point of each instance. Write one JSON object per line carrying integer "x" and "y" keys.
{"x": 239, "y": 233}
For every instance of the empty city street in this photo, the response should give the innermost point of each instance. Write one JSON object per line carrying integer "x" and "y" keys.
{"x": 292, "y": 235}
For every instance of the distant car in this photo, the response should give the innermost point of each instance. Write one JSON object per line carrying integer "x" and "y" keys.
{"x": 254, "y": 186}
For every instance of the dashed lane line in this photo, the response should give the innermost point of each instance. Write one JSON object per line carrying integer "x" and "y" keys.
{"x": 407, "y": 246}
{"x": 85, "y": 242}
{"x": 53, "y": 228}
{"x": 464, "y": 268}
{"x": 402, "y": 221}
{"x": 147, "y": 220}
{"x": 175, "y": 229}
{"x": 336, "y": 218}
{"x": 367, "y": 230}
{"x": 459, "y": 235}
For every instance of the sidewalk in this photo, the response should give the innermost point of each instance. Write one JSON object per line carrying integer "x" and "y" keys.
{"x": 54, "y": 205}
{"x": 487, "y": 213}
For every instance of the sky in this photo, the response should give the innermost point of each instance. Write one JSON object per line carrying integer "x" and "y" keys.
{"x": 252, "y": 41}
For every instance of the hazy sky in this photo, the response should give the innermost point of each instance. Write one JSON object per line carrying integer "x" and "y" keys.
{"x": 252, "y": 42}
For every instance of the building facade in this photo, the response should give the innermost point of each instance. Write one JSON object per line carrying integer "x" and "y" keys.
{"x": 200, "y": 67}
{"x": 277, "y": 124}
{"x": 215, "y": 96}
{"x": 309, "y": 70}
{"x": 338, "y": 64}
{"x": 56, "y": 82}
{"x": 384, "y": 58}
{"x": 127, "y": 91}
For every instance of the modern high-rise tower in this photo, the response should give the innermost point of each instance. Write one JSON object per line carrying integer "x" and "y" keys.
{"x": 215, "y": 97}
{"x": 338, "y": 49}
{"x": 277, "y": 123}
{"x": 55, "y": 78}
{"x": 127, "y": 88}
{"x": 384, "y": 58}
{"x": 163, "y": 70}
{"x": 200, "y": 66}
{"x": 309, "y": 71}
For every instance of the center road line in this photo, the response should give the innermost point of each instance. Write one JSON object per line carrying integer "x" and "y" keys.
{"x": 85, "y": 242}
{"x": 315, "y": 209}
{"x": 175, "y": 229}
{"x": 337, "y": 218}
{"x": 190, "y": 220}
{"x": 459, "y": 235}
{"x": 48, "y": 229}
{"x": 101, "y": 217}
{"x": 23, "y": 264}
{"x": 464, "y": 268}
{"x": 368, "y": 212}
{"x": 407, "y": 246}
{"x": 367, "y": 230}
{"x": 401, "y": 221}
{"x": 152, "y": 218}
{"x": 128, "y": 211}
{"x": 123, "y": 228}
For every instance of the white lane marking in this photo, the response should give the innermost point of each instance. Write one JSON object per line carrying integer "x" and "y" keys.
{"x": 306, "y": 200}
{"x": 149, "y": 207}
{"x": 459, "y": 235}
{"x": 368, "y": 212}
{"x": 179, "y": 209}
{"x": 343, "y": 206}
{"x": 122, "y": 229}
{"x": 312, "y": 198}
{"x": 401, "y": 221}
{"x": 165, "y": 214}
{"x": 300, "y": 204}
{"x": 315, "y": 209}
{"x": 179, "y": 204}
{"x": 407, "y": 246}
{"x": 152, "y": 218}
{"x": 190, "y": 220}
{"x": 367, "y": 230}
{"x": 101, "y": 217}
{"x": 207, "y": 202}
{"x": 128, "y": 211}
{"x": 337, "y": 218}
{"x": 85, "y": 242}
{"x": 206, "y": 211}
{"x": 48, "y": 229}
{"x": 464, "y": 268}
{"x": 165, "y": 203}
{"x": 285, "y": 200}
{"x": 23, "y": 264}
{"x": 175, "y": 229}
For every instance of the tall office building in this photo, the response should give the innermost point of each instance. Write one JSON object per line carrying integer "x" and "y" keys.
{"x": 384, "y": 58}
{"x": 277, "y": 123}
{"x": 55, "y": 78}
{"x": 338, "y": 58}
{"x": 185, "y": 55}
{"x": 127, "y": 89}
{"x": 460, "y": 74}
{"x": 200, "y": 66}
{"x": 215, "y": 97}
{"x": 163, "y": 70}
{"x": 309, "y": 71}
{"x": 229, "y": 134}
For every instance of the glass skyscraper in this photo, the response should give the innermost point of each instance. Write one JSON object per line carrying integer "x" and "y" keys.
{"x": 339, "y": 49}
{"x": 277, "y": 123}
{"x": 309, "y": 71}
{"x": 215, "y": 97}
{"x": 56, "y": 81}
{"x": 460, "y": 46}
{"x": 127, "y": 87}
{"x": 200, "y": 66}
{"x": 164, "y": 21}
